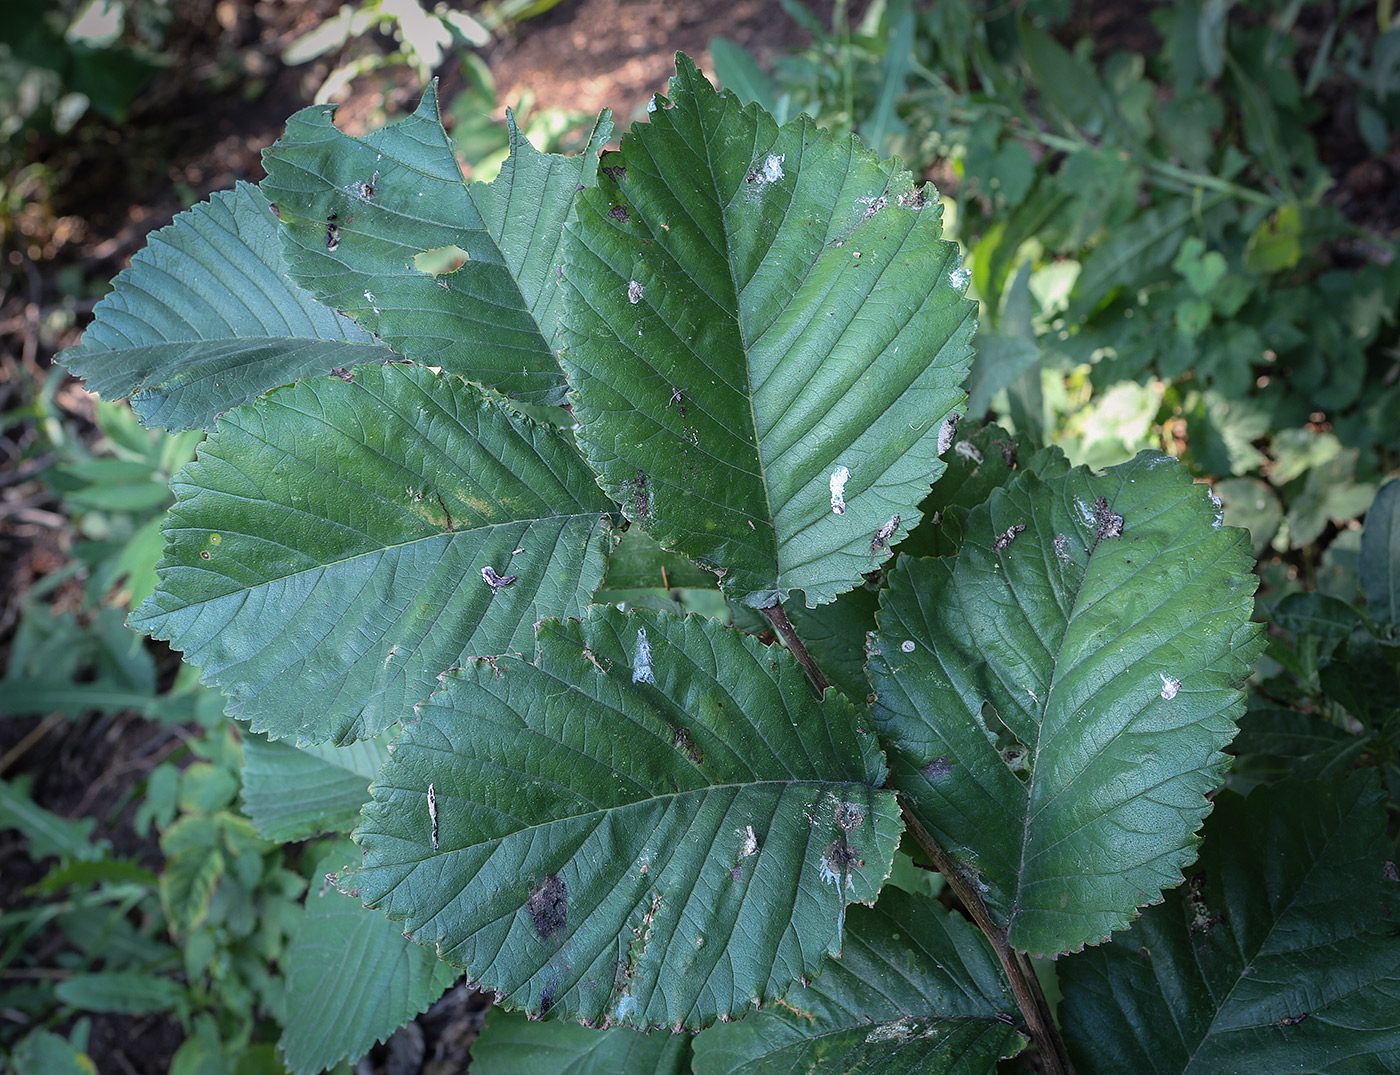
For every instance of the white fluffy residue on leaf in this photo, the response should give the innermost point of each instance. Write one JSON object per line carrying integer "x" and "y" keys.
{"x": 907, "y": 645}
{"x": 773, "y": 167}
{"x": 1219, "y": 512}
{"x": 651, "y": 105}
{"x": 748, "y": 842}
{"x": 959, "y": 278}
{"x": 1086, "y": 515}
{"x": 1170, "y": 686}
{"x": 634, "y": 292}
{"x": 839, "y": 477}
{"x": 641, "y": 665}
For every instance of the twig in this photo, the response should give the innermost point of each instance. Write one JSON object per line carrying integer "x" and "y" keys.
{"x": 778, "y": 618}
{"x": 1024, "y": 985}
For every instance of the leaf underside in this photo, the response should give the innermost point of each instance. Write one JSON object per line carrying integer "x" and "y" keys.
{"x": 205, "y": 319}
{"x": 352, "y": 977}
{"x": 654, "y": 825}
{"x": 765, "y": 336}
{"x": 293, "y": 793}
{"x": 1059, "y": 694}
{"x": 512, "y": 1044}
{"x": 357, "y": 212}
{"x": 325, "y": 554}
{"x": 916, "y": 989}
{"x": 1281, "y": 954}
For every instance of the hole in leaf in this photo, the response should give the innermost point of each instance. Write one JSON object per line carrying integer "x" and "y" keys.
{"x": 441, "y": 260}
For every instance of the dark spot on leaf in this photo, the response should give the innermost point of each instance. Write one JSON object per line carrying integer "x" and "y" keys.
{"x": 938, "y": 768}
{"x": 548, "y": 906}
{"x": 1110, "y": 525}
{"x": 849, "y": 816}
{"x": 344, "y": 374}
{"x": 681, "y": 740}
{"x": 332, "y": 216}
{"x": 1390, "y": 872}
{"x": 617, "y": 173}
{"x": 1008, "y": 452}
{"x": 367, "y": 191}
{"x": 736, "y": 873}
{"x": 1292, "y": 1020}
{"x": 547, "y": 998}
{"x": 204, "y": 554}
{"x": 332, "y": 237}
{"x": 841, "y": 857}
{"x": 620, "y": 214}
{"x": 641, "y": 498}
{"x": 275, "y": 211}
{"x": 1003, "y": 541}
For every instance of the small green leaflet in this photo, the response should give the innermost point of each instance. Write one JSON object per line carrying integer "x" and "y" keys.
{"x": 353, "y": 978}
{"x": 340, "y": 542}
{"x": 916, "y": 989}
{"x": 654, "y": 824}
{"x": 765, "y": 335}
{"x": 1059, "y": 694}
{"x": 205, "y": 319}
{"x": 360, "y": 213}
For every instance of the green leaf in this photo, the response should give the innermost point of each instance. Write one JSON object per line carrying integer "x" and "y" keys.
{"x": 121, "y": 991}
{"x": 916, "y": 989}
{"x": 511, "y": 1044}
{"x": 327, "y": 551}
{"x": 1280, "y": 955}
{"x": 763, "y": 318}
{"x": 1000, "y": 361}
{"x": 43, "y": 1053}
{"x": 1130, "y": 254}
{"x": 1058, "y": 696}
{"x": 353, "y": 978}
{"x": 835, "y": 637}
{"x": 194, "y": 865}
{"x": 205, "y": 319}
{"x": 47, "y": 832}
{"x": 656, "y": 824}
{"x": 356, "y": 212}
{"x": 1380, "y": 558}
{"x": 1276, "y": 243}
{"x": 292, "y": 793}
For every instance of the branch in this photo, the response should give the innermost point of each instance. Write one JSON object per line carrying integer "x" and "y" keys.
{"x": 1024, "y": 985}
{"x": 778, "y": 618}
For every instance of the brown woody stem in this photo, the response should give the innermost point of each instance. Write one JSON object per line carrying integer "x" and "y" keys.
{"x": 778, "y": 618}
{"x": 1025, "y": 987}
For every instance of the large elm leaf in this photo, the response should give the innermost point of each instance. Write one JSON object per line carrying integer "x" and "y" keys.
{"x": 511, "y": 1044}
{"x": 1059, "y": 695}
{"x": 353, "y": 978}
{"x": 329, "y": 550}
{"x": 765, "y": 333}
{"x": 654, "y": 824}
{"x": 292, "y": 793}
{"x": 1280, "y": 955}
{"x": 916, "y": 989}
{"x": 205, "y": 319}
{"x": 358, "y": 212}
